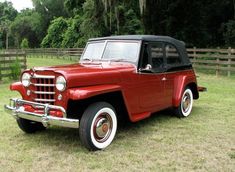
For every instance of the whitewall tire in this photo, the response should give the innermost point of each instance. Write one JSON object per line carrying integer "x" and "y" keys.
{"x": 98, "y": 126}
{"x": 186, "y": 104}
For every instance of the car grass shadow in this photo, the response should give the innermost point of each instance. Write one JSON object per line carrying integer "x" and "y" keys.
{"x": 70, "y": 137}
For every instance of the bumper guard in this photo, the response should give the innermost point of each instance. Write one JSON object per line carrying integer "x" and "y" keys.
{"x": 17, "y": 110}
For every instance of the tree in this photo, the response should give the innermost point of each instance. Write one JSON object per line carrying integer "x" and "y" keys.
{"x": 7, "y": 15}
{"x": 109, "y": 17}
{"x": 196, "y": 22}
{"x": 5, "y": 28}
{"x": 7, "y": 12}
{"x": 55, "y": 33}
{"x": 27, "y": 25}
{"x": 229, "y": 32}
{"x": 72, "y": 36}
{"x": 74, "y": 7}
{"x": 93, "y": 24}
{"x": 49, "y": 10}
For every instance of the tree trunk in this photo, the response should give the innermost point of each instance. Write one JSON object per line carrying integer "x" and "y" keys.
{"x": 234, "y": 8}
{"x": 110, "y": 17}
{"x": 117, "y": 18}
{"x": 142, "y": 4}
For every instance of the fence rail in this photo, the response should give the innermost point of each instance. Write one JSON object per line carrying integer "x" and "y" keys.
{"x": 59, "y": 53}
{"x": 214, "y": 59}
{"x": 219, "y": 60}
{"x": 7, "y": 61}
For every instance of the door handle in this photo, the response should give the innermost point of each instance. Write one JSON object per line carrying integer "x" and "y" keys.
{"x": 164, "y": 79}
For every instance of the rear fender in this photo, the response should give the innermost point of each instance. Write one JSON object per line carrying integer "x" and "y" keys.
{"x": 180, "y": 83}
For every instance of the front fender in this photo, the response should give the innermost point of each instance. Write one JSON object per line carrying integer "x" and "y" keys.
{"x": 86, "y": 92}
{"x": 17, "y": 86}
{"x": 180, "y": 83}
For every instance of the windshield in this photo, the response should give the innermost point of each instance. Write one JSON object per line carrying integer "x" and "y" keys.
{"x": 93, "y": 51}
{"x": 112, "y": 51}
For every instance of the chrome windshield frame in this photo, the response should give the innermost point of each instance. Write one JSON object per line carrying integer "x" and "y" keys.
{"x": 105, "y": 46}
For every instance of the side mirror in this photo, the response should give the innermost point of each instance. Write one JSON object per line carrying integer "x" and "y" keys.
{"x": 147, "y": 69}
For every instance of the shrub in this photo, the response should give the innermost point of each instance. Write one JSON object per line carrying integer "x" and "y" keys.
{"x": 15, "y": 68}
{"x": 24, "y": 43}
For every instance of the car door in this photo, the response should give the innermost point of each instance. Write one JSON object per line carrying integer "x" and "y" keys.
{"x": 173, "y": 67}
{"x": 151, "y": 77}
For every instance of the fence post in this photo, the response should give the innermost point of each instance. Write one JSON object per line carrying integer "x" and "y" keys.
{"x": 217, "y": 65}
{"x": 25, "y": 61}
{"x": 229, "y": 61}
{"x": 194, "y": 56}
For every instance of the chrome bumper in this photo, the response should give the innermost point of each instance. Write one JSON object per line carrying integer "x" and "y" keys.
{"x": 16, "y": 109}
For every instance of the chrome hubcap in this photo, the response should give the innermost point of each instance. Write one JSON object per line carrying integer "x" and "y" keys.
{"x": 102, "y": 127}
{"x": 186, "y": 102}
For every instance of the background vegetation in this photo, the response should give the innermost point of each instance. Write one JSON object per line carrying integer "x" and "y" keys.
{"x": 69, "y": 23}
{"x": 202, "y": 142}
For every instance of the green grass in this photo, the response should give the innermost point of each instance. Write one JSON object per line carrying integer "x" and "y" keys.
{"x": 205, "y": 141}
{"x": 49, "y": 61}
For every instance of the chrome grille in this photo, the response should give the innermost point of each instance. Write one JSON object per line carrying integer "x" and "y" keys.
{"x": 43, "y": 88}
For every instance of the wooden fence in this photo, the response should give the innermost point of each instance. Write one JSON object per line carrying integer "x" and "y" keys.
{"x": 60, "y": 53}
{"x": 8, "y": 59}
{"x": 218, "y": 60}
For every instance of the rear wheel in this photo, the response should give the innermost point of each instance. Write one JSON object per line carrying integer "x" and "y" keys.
{"x": 98, "y": 126}
{"x": 29, "y": 126}
{"x": 186, "y": 104}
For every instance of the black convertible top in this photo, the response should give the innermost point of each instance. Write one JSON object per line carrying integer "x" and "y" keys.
{"x": 180, "y": 45}
{"x": 141, "y": 37}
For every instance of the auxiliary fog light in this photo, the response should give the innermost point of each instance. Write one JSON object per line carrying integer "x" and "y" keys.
{"x": 28, "y": 92}
{"x": 60, "y": 97}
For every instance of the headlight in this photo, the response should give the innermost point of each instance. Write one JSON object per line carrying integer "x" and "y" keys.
{"x": 26, "y": 79}
{"x": 60, "y": 83}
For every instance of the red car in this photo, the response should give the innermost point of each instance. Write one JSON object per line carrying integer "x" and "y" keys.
{"x": 119, "y": 76}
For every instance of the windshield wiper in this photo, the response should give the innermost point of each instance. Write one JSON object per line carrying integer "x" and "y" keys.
{"x": 86, "y": 59}
{"x": 117, "y": 60}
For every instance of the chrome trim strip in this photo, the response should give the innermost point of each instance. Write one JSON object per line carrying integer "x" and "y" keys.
{"x": 43, "y": 76}
{"x": 46, "y": 85}
{"x": 42, "y": 92}
{"x": 16, "y": 109}
{"x": 45, "y": 100}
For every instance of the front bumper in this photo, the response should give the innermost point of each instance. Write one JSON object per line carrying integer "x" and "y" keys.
{"x": 17, "y": 110}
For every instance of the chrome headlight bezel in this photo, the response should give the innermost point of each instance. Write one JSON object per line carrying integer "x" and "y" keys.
{"x": 25, "y": 79}
{"x": 60, "y": 83}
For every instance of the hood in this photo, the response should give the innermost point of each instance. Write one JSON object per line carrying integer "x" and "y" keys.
{"x": 81, "y": 74}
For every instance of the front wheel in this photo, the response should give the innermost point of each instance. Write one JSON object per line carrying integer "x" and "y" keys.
{"x": 186, "y": 104}
{"x": 29, "y": 126}
{"x": 98, "y": 126}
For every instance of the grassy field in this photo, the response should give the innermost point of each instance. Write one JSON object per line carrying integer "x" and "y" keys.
{"x": 205, "y": 141}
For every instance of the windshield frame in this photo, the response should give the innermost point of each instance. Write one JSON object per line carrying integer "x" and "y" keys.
{"x": 139, "y": 42}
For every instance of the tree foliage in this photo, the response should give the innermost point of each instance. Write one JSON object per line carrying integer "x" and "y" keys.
{"x": 69, "y": 23}
{"x": 7, "y": 15}
{"x": 229, "y": 33}
{"x": 72, "y": 36}
{"x": 55, "y": 33}
{"x": 7, "y": 12}
{"x": 49, "y": 10}
{"x": 27, "y": 25}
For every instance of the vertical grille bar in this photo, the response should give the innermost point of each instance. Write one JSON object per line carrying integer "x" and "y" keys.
{"x": 43, "y": 88}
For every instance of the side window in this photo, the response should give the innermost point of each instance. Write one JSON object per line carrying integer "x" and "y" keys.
{"x": 145, "y": 58}
{"x": 172, "y": 56}
{"x": 157, "y": 56}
